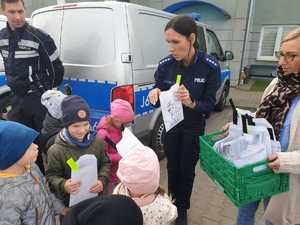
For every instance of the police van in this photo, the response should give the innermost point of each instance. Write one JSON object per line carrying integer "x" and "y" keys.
{"x": 111, "y": 50}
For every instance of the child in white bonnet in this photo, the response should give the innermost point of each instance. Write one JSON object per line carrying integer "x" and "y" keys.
{"x": 139, "y": 173}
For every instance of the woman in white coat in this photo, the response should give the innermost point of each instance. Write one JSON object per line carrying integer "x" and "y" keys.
{"x": 281, "y": 106}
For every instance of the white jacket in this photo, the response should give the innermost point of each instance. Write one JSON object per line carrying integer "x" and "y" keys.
{"x": 284, "y": 208}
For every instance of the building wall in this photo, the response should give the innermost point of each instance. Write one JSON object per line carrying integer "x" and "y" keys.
{"x": 157, "y": 4}
{"x": 270, "y": 12}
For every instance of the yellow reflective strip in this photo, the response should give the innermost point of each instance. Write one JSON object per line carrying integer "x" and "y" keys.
{"x": 72, "y": 164}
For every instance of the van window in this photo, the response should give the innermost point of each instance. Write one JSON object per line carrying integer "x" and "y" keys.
{"x": 201, "y": 39}
{"x": 88, "y": 36}
{"x": 213, "y": 45}
{"x": 49, "y": 22}
{"x": 152, "y": 35}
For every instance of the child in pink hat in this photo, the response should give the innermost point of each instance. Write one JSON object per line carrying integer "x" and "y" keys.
{"x": 109, "y": 130}
{"x": 139, "y": 173}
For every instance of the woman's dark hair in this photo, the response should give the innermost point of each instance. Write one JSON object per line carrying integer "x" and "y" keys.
{"x": 184, "y": 25}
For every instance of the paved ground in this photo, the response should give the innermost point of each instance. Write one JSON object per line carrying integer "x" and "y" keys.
{"x": 209, "y": 205}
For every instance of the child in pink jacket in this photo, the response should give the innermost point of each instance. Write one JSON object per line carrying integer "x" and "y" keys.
{"x": 109, "y": 130}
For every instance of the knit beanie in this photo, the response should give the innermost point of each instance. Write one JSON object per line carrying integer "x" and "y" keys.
{"x": 74, "y": 109}
{"x": 15, "y": 138}
{"x": 121, "y": 110}
{"x": 105, "y": 210}
{"x": 139, "y": 171}
{"x": 52, "y": 100}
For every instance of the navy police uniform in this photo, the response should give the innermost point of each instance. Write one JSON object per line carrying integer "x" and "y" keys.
{"x": 32, "y": 66}
{"x": 202, "y": 79}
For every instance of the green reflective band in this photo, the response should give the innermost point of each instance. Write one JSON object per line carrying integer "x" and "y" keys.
{"x": 72, "y": 164}
{"x": 178, "y": 79}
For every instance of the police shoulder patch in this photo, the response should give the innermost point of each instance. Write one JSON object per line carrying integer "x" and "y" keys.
{"x": 210, "y": 60}
{"x": 166, "y": 60}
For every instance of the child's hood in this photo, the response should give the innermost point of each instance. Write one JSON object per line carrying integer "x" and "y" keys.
{"x": 104, "y": 129}
{"x": 14, "y": 182}
{"x": 11, "y": 183}
{"x": 103, "y": 123}
{"x": 51, "y": 124}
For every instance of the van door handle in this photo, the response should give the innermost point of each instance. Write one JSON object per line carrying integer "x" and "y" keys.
{"x": 126, "y": 58}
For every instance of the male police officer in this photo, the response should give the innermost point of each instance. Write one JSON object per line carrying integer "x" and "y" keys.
{"x": 31, "y": 62}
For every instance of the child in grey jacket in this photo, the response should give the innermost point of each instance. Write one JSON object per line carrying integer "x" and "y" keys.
{"x": 24, "y": 197}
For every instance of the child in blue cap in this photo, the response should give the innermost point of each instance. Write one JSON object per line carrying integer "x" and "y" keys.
{"x": 24, "y": 197}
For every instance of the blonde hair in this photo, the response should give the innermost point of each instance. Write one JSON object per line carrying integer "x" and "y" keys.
{"x": 291, "y": 35}
{"x": 160, "y": 191}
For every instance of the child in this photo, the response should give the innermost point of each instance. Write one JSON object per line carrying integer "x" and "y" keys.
{"x": 109, "y": 130}
{"x": 52, "y": 123}
{"x": 105, "y": 210}
{"x": 139, "y": 173}
{"x": 74, "y": 140}
{"x": 24, "y": 197}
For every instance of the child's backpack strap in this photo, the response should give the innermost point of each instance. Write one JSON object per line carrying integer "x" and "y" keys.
{"x": 110, "y": 142}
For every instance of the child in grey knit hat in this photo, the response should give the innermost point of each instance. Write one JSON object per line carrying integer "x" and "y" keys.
{"x": 52, "y": 123}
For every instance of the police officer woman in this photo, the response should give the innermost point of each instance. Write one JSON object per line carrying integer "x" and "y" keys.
{"x": 200, "y": 81}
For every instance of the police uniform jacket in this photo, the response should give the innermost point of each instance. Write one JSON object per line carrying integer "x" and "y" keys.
{"x": 31, "y": 59}
{"x": 201, "y": 78}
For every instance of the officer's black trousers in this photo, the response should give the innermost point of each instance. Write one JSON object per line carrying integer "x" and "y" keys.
{"x": 29, "y": 111}
{"x": 182, "y": 151}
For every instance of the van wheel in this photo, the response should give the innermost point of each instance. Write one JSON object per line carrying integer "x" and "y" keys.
{"x": 222, "y": 101}
{"x": 157, "y": 139}
{"x": 5, "y": 106}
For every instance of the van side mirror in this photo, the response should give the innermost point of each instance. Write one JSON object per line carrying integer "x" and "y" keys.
{"x": 229, "y": 55}
{"x": 67, "y": 89}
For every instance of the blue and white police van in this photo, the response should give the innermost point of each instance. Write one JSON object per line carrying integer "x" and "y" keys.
{"x": 111, "y": 50}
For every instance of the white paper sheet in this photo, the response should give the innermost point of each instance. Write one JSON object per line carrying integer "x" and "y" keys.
{"x": 244, "y": 149}
{"x": 87, "y": 175}
{"x": 128, "y": 143}
{"x": 244, "y": 112}
{"x": 171, "y": 108}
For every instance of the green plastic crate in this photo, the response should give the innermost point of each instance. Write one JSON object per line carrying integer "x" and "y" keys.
{"x": 241, "y": 185}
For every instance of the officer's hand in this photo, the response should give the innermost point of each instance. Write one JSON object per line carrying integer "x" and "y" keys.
{"x": 183, "y": 95}
{"x": 153, "y": 95}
